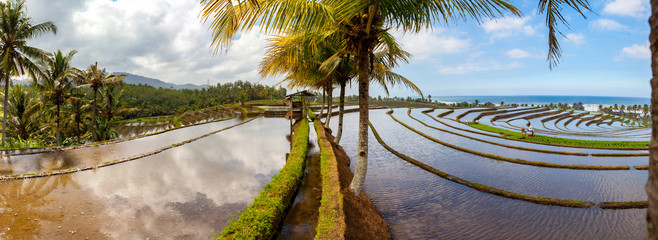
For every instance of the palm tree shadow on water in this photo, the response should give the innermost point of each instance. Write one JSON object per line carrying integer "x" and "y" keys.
{"x": 51, "y": 161}
{"x": 24, "y": 205}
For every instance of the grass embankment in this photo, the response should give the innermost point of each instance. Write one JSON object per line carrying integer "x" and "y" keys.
{"x": 511, "y": 115}
{"x": 498, "y": 144}
{"x": 566, "y": 142}
{"x": 484, "y": 114}
{"x": 331, "y": 217}
{"x": 564, "y": 115}
{"x": 574, "y": 118}
{"x": 513, "y": 160}
{"x": 113, "y": 162}
{"x": 262, "y": 218}
{"x": 528, "y": 139}
{"x": 484, "y": 188}
{"x": 446, "y": 113}
{"x": 36, "y": 147}
{"x": 472, "y": 111}
{"x": 623, "y": 205}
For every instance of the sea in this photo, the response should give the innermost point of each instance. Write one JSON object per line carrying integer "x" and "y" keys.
{"x": 590, "y": 103}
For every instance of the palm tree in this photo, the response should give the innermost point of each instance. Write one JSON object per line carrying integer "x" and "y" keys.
{"x": 55, "y": 81}
{"x": 25, "y": 113}
{"x": 303, "y": 65}
{"x": 110, "y": 107}
{"x": 362, "y": 22}
{"x": 78, "y": 107}
{"x": 15, "y": 30}
{"x": 96, "y": 79}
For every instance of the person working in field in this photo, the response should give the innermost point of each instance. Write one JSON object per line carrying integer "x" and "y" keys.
{"x": 531, "y": 132}
{"x": 523, "y": 132}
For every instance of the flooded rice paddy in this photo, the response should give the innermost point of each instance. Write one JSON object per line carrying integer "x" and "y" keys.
{"x": 418, "y": 204}
{"x": 192, "y": 190}
{"x": 187, "y": 192}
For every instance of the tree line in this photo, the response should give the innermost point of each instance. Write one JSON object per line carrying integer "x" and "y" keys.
{"x": 160, "y": 101}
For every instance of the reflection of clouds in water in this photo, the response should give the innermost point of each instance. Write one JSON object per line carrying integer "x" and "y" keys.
{"x": 220, "y": 173}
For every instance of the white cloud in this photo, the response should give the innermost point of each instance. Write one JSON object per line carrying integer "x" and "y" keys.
{"x": 480, "y": 66}
{"x": 637, "y": 51}
{"x": 508, "y": 26}
{"x": 628, "y": 8}
{"x": 607, "y": 24}
{"x": 575, "y": 38}
{"x": 426, "y": 44}
{"x": 163, "y": 39}
{"x": 517, "y": 53}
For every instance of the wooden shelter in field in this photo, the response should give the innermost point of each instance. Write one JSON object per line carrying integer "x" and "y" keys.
{"x": 298, "y": 104}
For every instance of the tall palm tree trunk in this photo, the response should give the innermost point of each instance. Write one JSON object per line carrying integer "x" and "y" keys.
{"x": 362, "y": 160}
{"x": 57, "y": 125}
{"x": 341, "y": 110}
{"x": 77, "y": 131}
{"x": 93, "y": 112}
{"x": 4, "y": 107}
{"x": 329, "y": 104}
{"x": 322, "y": 106}
{"x": 652, "y": 183}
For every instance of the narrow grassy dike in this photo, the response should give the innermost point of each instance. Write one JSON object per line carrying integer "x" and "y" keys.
{"x": 331, "y": 218}
{"x": 511, "y": 160}
{"x": 261, "y": 219}
{"x": 484, "y": 188}
{"x": 567, "y": 142}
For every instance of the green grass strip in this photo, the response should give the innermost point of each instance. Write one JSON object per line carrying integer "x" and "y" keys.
{"x": 620, "y": 154}
{"x": 566, "y": 142}
{"x": 446, "y": 113}
{"x": 501, "y": 133}
{"x": 484, "y": 188}
{"x": 262, "y": 218}
{"x": 499, "y": 144}
{"x": 514, "y": 160}
{"x": 475, "y": 110}
{"x": 623, "y": 205}
{"x": 331, "y": 216}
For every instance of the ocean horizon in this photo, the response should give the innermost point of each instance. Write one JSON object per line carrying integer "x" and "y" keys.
{"x": 546, "y": 99}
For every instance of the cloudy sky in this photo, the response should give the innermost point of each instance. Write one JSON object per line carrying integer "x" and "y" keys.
{"x": 606, "y": 54}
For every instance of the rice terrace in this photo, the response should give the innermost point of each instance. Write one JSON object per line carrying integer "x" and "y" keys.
{"x": 298, "y": 119}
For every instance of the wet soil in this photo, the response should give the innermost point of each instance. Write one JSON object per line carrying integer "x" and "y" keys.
{"x": 361, "y": 216}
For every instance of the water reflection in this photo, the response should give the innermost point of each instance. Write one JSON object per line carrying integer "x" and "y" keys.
{"x": 91, "y": 156}
{"x": 184, "y": 193}
{"x": 420, "y": 205}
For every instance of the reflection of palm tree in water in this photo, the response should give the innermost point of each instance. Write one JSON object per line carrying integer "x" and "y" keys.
{"x": 57, "y": 160}
{"x": 23, "y": 202}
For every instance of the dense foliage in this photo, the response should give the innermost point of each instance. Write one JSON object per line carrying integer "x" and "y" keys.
{"x": 158, "y": 101}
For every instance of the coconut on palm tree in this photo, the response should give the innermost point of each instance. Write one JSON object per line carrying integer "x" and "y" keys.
{"x": 54, "y": 82}
{"x": 16, "y": 28}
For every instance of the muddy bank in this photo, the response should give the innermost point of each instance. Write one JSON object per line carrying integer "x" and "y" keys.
{"x": 361, "y": 216}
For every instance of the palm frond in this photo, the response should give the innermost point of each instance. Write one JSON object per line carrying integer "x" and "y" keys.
{"x": 554, "y": 17}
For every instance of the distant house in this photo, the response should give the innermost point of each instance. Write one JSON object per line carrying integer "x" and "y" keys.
{"x": 489, "y": 104}
{"x": 578, "y": 106}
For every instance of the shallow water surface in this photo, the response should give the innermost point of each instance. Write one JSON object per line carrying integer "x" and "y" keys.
{"x": 187, "y": 192}
{"x": 420, "y": 205}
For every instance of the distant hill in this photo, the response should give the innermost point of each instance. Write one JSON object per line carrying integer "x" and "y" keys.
{"x": 136, "y": 79}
